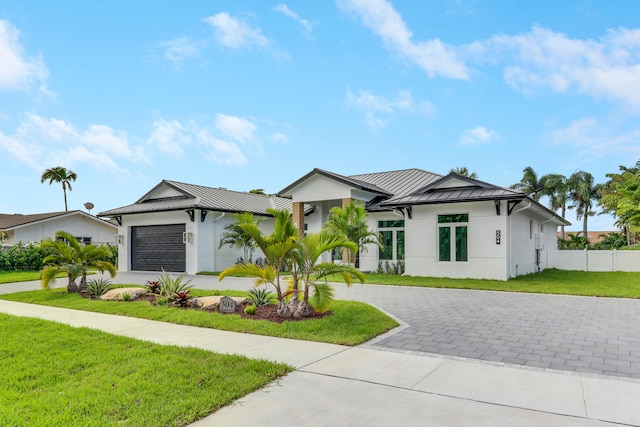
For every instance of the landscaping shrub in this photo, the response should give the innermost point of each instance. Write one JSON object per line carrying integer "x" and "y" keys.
{"x": 23, "y": 257}
{"x": 98, "y": 287}
{"x": 170, "y": 285}
{"x": 260, "y": 296}
{"x": 250, "y": 310}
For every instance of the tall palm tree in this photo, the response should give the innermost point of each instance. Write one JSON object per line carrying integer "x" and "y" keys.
{"x": 60, "y": 175}
{"x": 351, "y": 222}
{"x": 583, "y": 194}
{"x": 556, "y": 186}
{"x": 234, "y": 236}
{"x": 530, "y": 184}
{"x": 463, "y": 170}
{"x": 70, "y": 257}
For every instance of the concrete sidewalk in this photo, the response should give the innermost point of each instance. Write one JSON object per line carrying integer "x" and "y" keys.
{"x": 356, "y": 386}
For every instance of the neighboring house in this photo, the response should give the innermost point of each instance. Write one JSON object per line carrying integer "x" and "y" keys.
{"x": 177, "y": 227}
{"x": 17, "y": 228}
{"x": 440, "y": 226}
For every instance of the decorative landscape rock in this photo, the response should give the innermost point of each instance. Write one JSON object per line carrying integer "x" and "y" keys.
{"x": 116, "y": 294}
{"x": 213, "y": 302}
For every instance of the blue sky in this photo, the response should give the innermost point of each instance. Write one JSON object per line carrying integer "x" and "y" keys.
{"x": 255, "y": 94}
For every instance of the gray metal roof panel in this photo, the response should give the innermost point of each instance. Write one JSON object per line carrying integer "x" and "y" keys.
{"x": 202, "y": 197}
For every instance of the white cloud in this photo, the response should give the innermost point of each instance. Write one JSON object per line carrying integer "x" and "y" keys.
{"x": 377, "y": 109}
{"x": 594, "y": 139}
{"x": 605, "y": 68}
{"x": 235, "y": 33}
{"x": 39, "y": 141}
{"x": 433, "y": 56}
{"x": 17, "y": 70}
{"x": 169, "y": 136}
{"x": 236, "y": 128}
{"x": 177, "y": 50}
{"x": 284, "y": 9}
{"x": 279, "y": 138}
{"x": 221, "y": 151}
{"x": 478, "y": 136}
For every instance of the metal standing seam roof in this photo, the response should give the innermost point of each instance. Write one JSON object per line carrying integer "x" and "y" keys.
{"x": 349, "y": 180}
{"x": 202, "y": 197}
{"x": 8, "y": 221}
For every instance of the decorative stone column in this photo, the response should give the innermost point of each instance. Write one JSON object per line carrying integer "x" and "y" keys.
{"x": 297, "y": 215}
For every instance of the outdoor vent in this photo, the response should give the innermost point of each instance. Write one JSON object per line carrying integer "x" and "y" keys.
{"x": 187, "y": 237}
{"x": 119, "y": 239}
{"x": 539, "y": 241}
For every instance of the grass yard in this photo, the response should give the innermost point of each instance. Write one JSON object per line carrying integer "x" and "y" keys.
{"x": 18, "y": 276}
{"x": 56, "y": 375}
{"x": 550, "y": 281}
{"x": 351, "y": 323}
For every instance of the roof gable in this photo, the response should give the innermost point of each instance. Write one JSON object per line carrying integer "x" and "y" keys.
{"x": 349, "y": 181}
{"x": 13, "y": 221}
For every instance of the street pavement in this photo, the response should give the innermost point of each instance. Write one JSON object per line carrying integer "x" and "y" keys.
{"x": 410, "y": 376}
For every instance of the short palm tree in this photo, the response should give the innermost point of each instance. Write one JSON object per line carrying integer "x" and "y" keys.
{"x": 530, "y": 184}
{"x": 70, "y": 257}
{"x": 234, "y": 236}
{"x": 60, "y": 175}
{"x": 351, "y": 222}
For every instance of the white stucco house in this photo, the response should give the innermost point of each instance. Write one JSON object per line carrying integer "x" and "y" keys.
{"x": 440, "y": 226}
{"x": 18, "y": 228}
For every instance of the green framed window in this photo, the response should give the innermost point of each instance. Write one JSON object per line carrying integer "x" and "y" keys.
{"x": 453, "y": 238}
{"x": 392, "y": 232}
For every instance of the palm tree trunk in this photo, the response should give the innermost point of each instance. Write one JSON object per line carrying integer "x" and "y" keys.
{"x": 71, "y": 286}
{"x": 64, "y": 190}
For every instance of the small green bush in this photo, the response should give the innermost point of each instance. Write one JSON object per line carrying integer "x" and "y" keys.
{"x": 260, "y": 296}
{"x": 170, "y": 285}
{"x": 98, "y": 287}
{"x": 126, "y": 296}
{"x": 250, "y": 310}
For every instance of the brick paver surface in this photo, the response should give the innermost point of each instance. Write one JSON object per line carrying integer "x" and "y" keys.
{"x": 580, "y": 334}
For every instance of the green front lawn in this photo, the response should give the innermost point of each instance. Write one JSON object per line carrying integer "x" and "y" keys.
{"x": 351, "y": 323}
{"x": 550, "y": 281}
{"x": 56, "y": 375}
{"x": 18, "y": 276}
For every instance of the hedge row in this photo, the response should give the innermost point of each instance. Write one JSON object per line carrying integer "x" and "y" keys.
{"x": 29, "y": 257}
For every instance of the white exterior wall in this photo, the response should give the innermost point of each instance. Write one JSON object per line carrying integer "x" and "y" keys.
{"x": 202, "y": 254}
{"x": 486, "y": 258}
{"x": 523, "y": 229}
{"x": 78, "y": 225}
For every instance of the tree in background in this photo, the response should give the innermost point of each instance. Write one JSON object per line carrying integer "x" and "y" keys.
{"x": 583, "y": 194}
{"x": 530, "y": 184}
{"x": 351, "y": 222}
{"x": 556, "y": 186}
{"x": 463, "y": 170}
{"x": 235, "y": 236}
{"x": 620, "y": 196}
{"x": 62, "y": 176}
{"x": 70, "y": 257}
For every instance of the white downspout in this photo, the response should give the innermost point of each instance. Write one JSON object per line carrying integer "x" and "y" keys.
{"x": 214, "y": 238}
{"x": 511, "y": 274}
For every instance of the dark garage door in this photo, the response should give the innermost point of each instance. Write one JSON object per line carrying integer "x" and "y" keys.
{"x": 157, "y": 247}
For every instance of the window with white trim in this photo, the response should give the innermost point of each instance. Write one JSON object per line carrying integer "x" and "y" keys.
{"x": 392, "y": 233}
{"x": 452, "y": 237}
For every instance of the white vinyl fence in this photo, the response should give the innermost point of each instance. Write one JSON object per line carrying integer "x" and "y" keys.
{"x": 587, "y": 260}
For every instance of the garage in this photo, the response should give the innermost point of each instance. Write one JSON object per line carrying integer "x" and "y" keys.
{"x": 158, "y": 247}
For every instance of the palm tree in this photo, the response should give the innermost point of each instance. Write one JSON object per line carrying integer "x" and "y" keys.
{"x": 583, "y": 193}
{"x": 351, "y": 222}
{"x": 277, "y": 248}
{"x": 556, "y": 186}
{"x": 530, "y": 184}
{"x": 69, "y": 257}
{"x": 234, "y": 236}
{"x": 60, "y": 175}
{"x": 464, "y": 171}
{"x": 284, "y": 248}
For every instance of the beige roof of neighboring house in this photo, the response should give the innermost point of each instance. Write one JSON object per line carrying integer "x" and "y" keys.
{"x": 9, "y": 221}
{"x": 593, "y": 236}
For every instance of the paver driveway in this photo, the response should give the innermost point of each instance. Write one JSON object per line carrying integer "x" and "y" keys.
{"x": 581, "y": 334}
